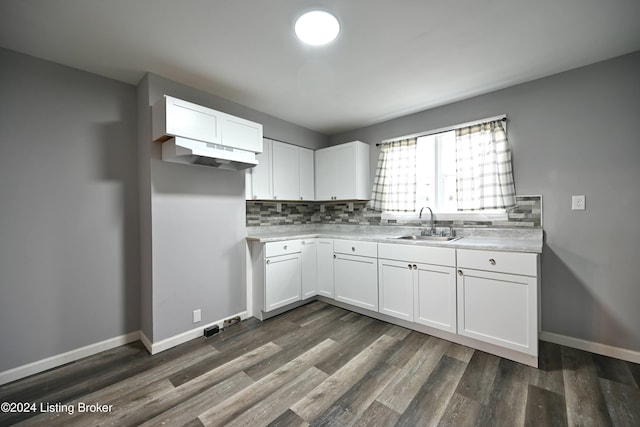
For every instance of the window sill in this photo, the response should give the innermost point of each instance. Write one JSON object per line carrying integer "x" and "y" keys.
{"x": 448, "y": 216}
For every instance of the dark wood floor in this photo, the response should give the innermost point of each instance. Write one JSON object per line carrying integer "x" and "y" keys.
{"x": 321, "y": 365}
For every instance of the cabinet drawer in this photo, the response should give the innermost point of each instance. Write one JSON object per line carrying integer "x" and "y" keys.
{"x": 499, "y": 262}
{"x": 418, "y": 254}
{"x": 282, "y": 248}
{"x": 355, "y": 247}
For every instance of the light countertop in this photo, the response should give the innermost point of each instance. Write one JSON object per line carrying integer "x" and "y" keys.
{"x": 511, "y": 240}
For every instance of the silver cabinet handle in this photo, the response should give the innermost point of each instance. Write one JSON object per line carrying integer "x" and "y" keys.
{"x": 268, "y": 261}
{"x": 460, "y": 273}
{"x": 415, "y": 267}
{"x": 285, "y": 247}
{"x": 492, "y": 261}
{"x": 303, "y": 242}
{"x": 409, "y": 265}
{"x": 334, "y": 257}
{"x": 353, "y": 248}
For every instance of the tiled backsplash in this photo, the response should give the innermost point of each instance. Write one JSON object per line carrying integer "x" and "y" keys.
{"x": 527, "y": 214}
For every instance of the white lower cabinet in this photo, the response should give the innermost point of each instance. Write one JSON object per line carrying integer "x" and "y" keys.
{"x": 276, "y": 275}
{"x": 396, "y": 282}
{"x": 309, "y": 267}
{"x": 418, "y": 284}
{"x": 324, "y": 248}
{"x": 495, "y": 307}
{"x": 282, "y": 284}
{"x": 488, "y": 296}
{"x": 435, "y": 297}
{"x": 356, "y": 273}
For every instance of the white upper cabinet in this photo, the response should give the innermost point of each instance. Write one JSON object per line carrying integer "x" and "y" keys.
{"x": 306, "y": 168}
{"x": 284, "y": 172}
{"x": 342, "y": 172}
{"x": 175, "y": 117}
{"x": 324, "y": 171}
{"x": 258, "y": 182}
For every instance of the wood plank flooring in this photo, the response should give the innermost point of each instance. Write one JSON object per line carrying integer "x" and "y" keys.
{"x": 321, "y": 365}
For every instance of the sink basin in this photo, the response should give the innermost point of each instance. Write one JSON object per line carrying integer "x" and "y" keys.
{"x": 431, "y": 238}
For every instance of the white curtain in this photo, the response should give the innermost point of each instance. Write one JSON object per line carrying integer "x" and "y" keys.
{"x": 483, "y": 167}
{"x": 394, "y": 187}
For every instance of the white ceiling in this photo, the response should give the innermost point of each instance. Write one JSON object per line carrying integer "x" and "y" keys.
{"x": 393, "y": 57}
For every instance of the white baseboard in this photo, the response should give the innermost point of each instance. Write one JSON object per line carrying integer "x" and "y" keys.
{"x": 167, "y": 343}
{"x": 89, "y": 350}
{"x": 593, "y": 347}
{"x": 146, "y": 342}
{"x": 69, "y": 356}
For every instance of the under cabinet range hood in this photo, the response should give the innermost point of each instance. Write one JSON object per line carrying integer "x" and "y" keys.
{"x": 197, "y": 135}
{"x": 190, "y": 151}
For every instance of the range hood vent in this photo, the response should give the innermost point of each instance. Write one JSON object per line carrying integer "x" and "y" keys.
{"x": 189, "y": 151}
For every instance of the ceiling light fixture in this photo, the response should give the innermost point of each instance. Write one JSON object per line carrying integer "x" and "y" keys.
{"x": 317, "y": 28}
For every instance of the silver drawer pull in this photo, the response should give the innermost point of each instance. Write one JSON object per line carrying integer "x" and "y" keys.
{"x": 268, "y": 261}
{"x": 353, "y": 248}
{"x": 492, "y": 261}
{"x": 460, "y": 273}
{"x": 415, "y": 267}
{"x": 409, "y": 266}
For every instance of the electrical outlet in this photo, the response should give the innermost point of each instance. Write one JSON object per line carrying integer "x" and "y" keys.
{"x": 578, "y": 203}
{"x": 197, "y": 315}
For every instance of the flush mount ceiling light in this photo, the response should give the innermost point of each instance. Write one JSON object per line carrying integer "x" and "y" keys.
{"x": 317, "y": 28}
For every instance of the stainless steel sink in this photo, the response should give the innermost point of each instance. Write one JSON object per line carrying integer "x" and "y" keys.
{"x": 427, "y": 237}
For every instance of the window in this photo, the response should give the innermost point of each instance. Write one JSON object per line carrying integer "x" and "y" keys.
{"x": 436, "y": 172}
{"x": 457, "y": 170}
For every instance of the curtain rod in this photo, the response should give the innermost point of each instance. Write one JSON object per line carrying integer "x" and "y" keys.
{"x": 502, "y": 117}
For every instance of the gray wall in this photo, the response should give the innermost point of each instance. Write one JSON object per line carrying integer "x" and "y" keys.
{"x": 193, "y": 222}
{"x": 572, "y": 133}
{"x": 69, "y": 269}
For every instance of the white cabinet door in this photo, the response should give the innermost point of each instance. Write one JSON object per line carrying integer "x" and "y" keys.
{"x": 306, "y": 167}
{"x": 309, "y": 265}
{"x": 396, "y": 282}
{"x": 282, "y": 281}
{"x": 325, "y": 267}
{"x": 342, "y": 172}
{"x": 285, "y": 173}
{"x": 499, "y": 308}
{"x": 241, "y": 133}
{"x": 176, "y": 117}
{"x": 435, "y": 296}
{"x": 324, "y": 174}
{"x": 261, "y": 187}
{"x": 356, "y": 280}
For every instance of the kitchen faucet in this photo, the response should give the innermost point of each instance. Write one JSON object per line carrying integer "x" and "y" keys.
{"x": 433, "y": 229}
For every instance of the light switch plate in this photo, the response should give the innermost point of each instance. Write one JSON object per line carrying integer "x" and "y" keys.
{"x": 578, "y": 203}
